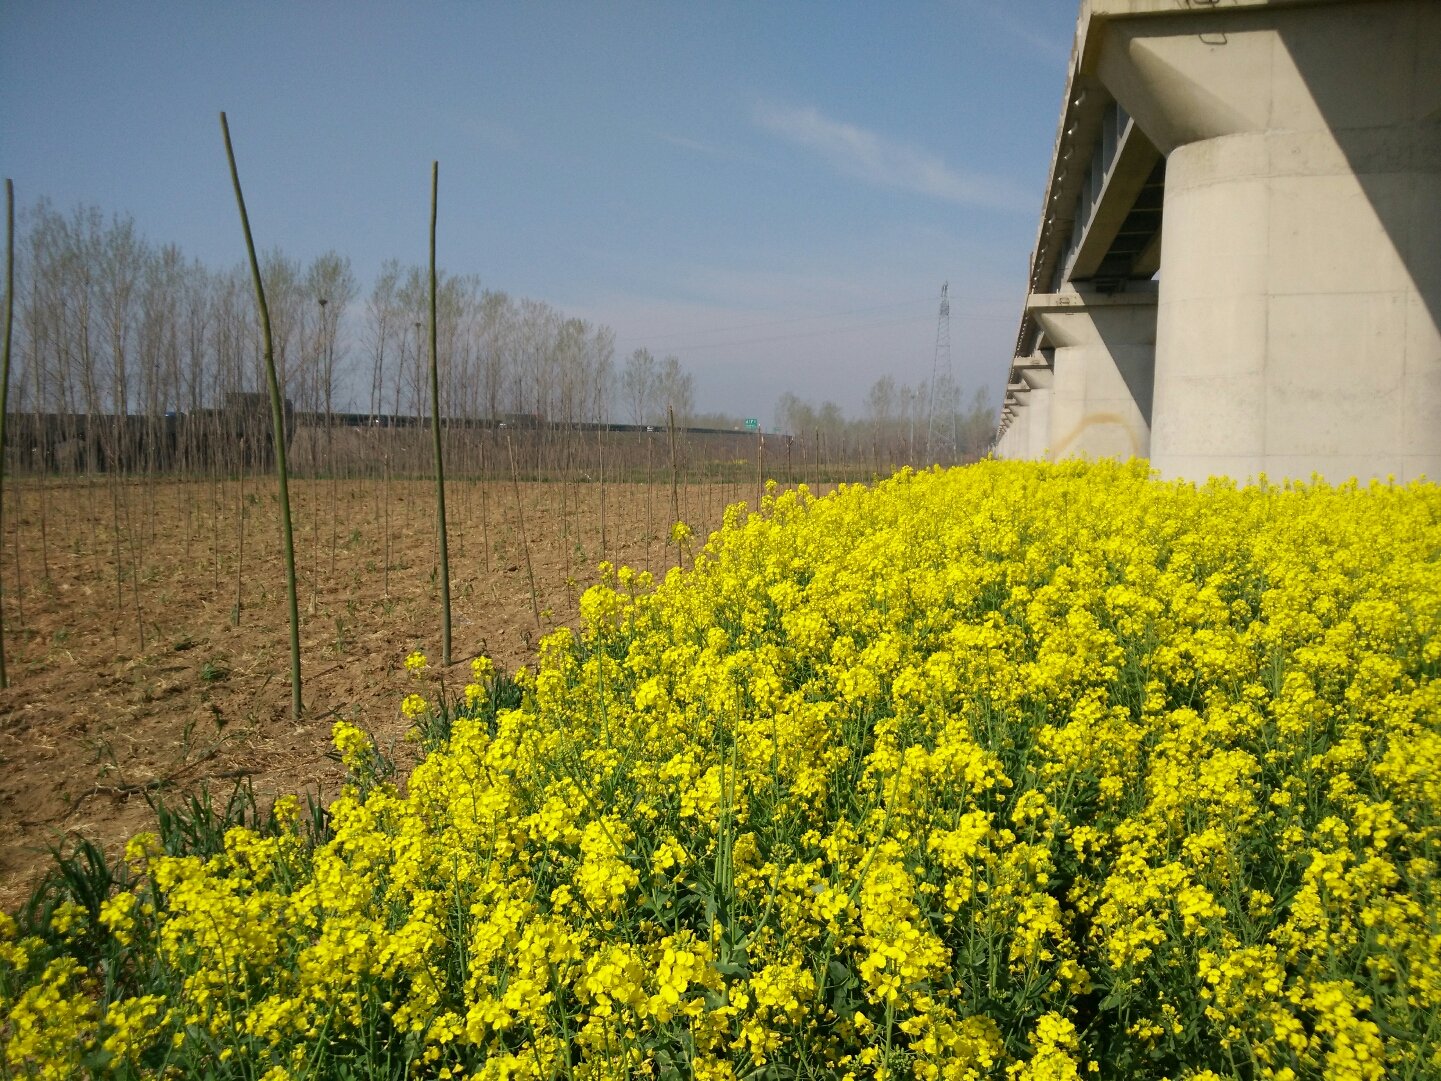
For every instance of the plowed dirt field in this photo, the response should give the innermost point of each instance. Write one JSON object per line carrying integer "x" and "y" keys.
{"x": 147, "y": 644}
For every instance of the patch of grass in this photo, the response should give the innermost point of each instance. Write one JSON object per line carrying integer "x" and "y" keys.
{"x": 213, "y": 671}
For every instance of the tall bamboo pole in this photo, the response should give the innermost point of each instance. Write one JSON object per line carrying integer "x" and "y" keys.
{"x": 435, "y": 433}
{"x": 524, "y": 539}
{"x": 5, "y": 380}
{"x": 674, "y": 488}
{"x": 277, "y": 420}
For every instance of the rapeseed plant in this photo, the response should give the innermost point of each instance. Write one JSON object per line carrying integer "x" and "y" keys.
{"x": 1014, "y": 771}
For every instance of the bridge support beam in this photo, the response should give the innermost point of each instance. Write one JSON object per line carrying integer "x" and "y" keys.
{"x": 1100, "y": 397}
{"x": 1297, "y": 329}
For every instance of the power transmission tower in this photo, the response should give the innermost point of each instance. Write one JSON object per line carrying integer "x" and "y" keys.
{"x": 941, "y": 381}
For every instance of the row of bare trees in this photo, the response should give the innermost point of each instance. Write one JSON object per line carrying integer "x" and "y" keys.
{"x": 112, "y": 326}
{"x": 901, "y": 424}
{"x": 499, "y": 356}
{"x": 653, "y": 391}
{"x": 119, "y": 339}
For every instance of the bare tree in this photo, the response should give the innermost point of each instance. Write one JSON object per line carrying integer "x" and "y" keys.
{"x": 290, "y": 317}
{"x": 331, "y": 285}
{"x": 382, "y": 328}
{"x": 495, "y": 332}
{"x": 976, "y": 426}
{"x": 881, "y": 404}
{"x": 675, "y": 391}
{"x": 600, "y": 371}
{"x": 638, "y": 385}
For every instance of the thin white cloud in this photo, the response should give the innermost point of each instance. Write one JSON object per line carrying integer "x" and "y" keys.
{"x": 1001, "y": 13}
{"x": 695, "y": 145}
{"x": 883, "y": 162}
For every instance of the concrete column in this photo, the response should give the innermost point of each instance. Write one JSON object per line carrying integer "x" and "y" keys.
{"x": 1003, "y": 447}
{"x": 1100, "y": 397}
{"x": 1039, "y": 399}
{"x": 1018, "y": 433}
{"x": 1297, "y": 329}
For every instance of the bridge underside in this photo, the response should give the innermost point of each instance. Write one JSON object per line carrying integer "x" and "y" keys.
{"x": 1239, "y": 263}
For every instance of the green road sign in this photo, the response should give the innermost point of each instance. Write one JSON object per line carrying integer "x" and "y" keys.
{"x": 752, "y": 424}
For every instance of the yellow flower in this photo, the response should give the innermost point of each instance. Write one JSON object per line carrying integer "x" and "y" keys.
{"x": 351, "y": 742}
{"x": 880, "y": 787}
{"x": 68, "y": 918}
{"x": 118, "y": 915}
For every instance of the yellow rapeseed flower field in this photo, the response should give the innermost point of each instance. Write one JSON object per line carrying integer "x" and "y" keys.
{"x": 1013, "y": 771}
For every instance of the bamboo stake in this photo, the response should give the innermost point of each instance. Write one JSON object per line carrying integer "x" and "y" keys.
{"x": 134, "y": 572}
{"x": 600, "y": 448}
{"x": 386, "y": 487}
{"x": 115, "y": 554}
{"x": 760, "y": 469}
{"x": 5, "y": 381}
{"x": 239, "y": 550}
{"x": 215, "y": 527}
{"x": 277, "y": 419}
{"x": 674, "y": 484}
{"x": 524, "y": 540}
{"x": 19, "y": 579}
{"x": 484, "y": 511}
{"x": 435, "y": 433}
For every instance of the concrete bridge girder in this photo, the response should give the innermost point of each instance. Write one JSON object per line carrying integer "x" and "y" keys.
{"x": 1037, "y": 378}
{"x": 1118, "y": 237}
{"x": 1334, "y": 66}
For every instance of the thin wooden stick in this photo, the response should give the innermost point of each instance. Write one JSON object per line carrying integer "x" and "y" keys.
{"x": 524, "y": 540}
{"x": 277, "y": 420}
{"x": 239, "y": 550}
{"x": 600, "y": 447}
{"x": 484, "y": 509}
{"x": 674, "y": 484}
{"x": 5, "y": 381}
{"x": 435, "y": 433}
{"x": 760, "y": 469}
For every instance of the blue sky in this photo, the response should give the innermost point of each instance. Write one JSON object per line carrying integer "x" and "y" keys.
{"x": 772, "y": 192}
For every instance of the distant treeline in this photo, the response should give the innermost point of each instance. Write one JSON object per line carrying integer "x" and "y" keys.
{"x": 130, "y": 356}
{"x": 238, "y": 436}
{"x": 900, "y": 425}
{"x": 108, "y": 323}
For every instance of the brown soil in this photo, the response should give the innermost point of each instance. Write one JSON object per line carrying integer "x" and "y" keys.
{"x": 147, "y": 684}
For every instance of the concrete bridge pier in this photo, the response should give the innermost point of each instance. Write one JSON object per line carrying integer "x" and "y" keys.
{"x": 1016, "y": 442}
{"x": 1005, "y": 448}
{"x": 1100, "y": 398}
{"x": 1297, "y": 328}
{"x": 1038, "y": 413}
